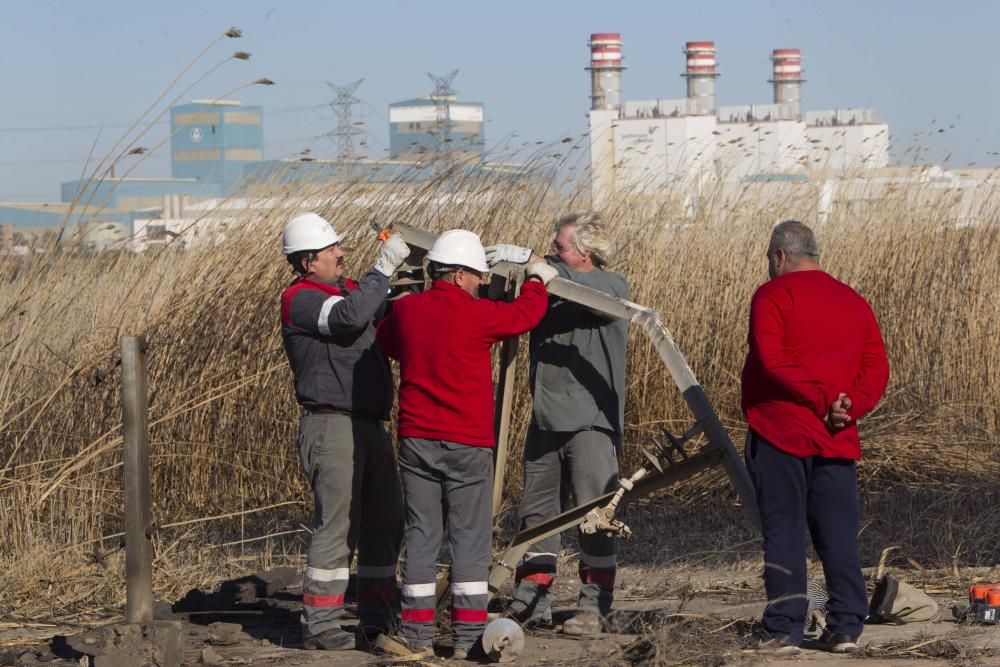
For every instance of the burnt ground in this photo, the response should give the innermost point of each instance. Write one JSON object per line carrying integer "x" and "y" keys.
{"x": 683, "y": 615}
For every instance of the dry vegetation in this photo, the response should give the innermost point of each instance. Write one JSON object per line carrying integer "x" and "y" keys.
{"x": 223, "y": 414}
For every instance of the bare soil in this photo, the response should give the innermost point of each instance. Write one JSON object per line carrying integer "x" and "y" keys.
{"x": 681, "y": 615}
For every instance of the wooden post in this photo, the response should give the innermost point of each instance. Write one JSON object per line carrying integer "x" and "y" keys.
{"x": 135, "y": 432}
{"x": 504, "y": 401}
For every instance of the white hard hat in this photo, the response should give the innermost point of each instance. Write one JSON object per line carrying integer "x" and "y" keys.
{"x": 459, "y": 247}
{"x": 308, "y": 231}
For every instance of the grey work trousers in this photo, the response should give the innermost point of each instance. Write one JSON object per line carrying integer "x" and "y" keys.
{"x": 557, "y": 464}
{"x": 349, "y": 463}
{"x": 446, "y": 481}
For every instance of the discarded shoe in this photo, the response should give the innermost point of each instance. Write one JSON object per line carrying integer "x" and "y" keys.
{"x": 333, "y": 639}
{"x": 837, "y": 642}
{"x": 584, "y": 624}
{"x": 763, "y": 641}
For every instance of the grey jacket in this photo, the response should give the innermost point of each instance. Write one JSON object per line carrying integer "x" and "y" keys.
{"x": 578, "y": 360}
{"x": 329, "y": 336}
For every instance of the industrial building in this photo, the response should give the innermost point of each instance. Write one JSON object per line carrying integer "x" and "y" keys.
{"x": 427, "y": 135}
{"x": 211, "y": 141}
{"x": 432, "y": 124}
{"x": 679, "y": 147}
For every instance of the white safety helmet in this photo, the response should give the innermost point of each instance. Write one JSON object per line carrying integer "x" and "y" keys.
{"x": 459, "y": 247}
{"x": 308, "y": 231}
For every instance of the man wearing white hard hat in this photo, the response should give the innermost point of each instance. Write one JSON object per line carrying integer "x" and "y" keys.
{"x": 442, "y": 339}
{"x": 344, "y": 385}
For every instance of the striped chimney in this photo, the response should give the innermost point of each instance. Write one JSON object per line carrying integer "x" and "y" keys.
{"x": 787, "y": 77}
{"x": 701, "y": 74}
{"x": 605, "y": 70}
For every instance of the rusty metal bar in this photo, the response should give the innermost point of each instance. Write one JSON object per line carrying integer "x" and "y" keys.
{"x": 505, "y": 562}
{"x": 503, "y": 402}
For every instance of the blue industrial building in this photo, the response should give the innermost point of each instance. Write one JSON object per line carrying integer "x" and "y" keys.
{"x": 210, "y": 144}
{"x": 213, "y": 142}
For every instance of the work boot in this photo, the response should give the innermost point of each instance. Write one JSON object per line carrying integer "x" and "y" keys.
{"x": 584, "y": 624}
{"x": 333, "y": 639}
{"x": 532, "y": 611}
{"x": 530, "y": 616}
{"x": 474, "y": 652}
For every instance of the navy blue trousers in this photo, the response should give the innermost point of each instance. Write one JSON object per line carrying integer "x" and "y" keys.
{"x": 820, "y": 493}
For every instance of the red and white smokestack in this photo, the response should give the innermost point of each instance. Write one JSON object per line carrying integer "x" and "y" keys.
{"x": 701, "y": 74}
{"x": 605, "y": 70}
{"x": 787, "y": 77}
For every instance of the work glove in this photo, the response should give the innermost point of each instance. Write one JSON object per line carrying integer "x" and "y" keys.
{"x": 542, "y": 271}
{"x": 503, "y": 252}
{"x": 390, "y": 257}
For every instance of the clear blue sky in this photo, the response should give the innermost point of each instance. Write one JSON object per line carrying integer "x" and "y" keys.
{"x": 70, "y": 67}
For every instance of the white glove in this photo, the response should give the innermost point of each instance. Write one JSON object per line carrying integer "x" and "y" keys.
{"x": 390, "y": 257}
{"x": 503, "y": 252}
{"x": 542, "y": 271}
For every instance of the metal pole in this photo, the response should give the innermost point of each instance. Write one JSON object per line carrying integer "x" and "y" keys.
{"x": 135, "y": 432}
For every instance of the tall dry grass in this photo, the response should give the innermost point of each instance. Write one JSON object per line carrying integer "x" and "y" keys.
{"x": 223, "y": 415}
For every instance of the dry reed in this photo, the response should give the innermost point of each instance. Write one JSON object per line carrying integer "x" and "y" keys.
{"x": 223, "y": 414}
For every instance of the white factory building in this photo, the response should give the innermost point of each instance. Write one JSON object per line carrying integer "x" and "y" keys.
{"x": 681, "y": 147}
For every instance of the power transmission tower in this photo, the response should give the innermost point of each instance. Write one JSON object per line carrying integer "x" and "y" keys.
{"x": 346, "y": 130}
{"x": 442, "y": 96}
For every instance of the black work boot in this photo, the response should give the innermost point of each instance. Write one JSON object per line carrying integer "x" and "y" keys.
{"x": 333, "y": 639}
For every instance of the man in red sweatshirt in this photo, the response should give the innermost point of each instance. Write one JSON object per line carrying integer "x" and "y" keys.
{"x": 442, "y": 339}
{"x": 816, "y": 364}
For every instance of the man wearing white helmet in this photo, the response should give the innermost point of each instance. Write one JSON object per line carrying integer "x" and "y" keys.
{"x": 344, "y": 385}
{"x": 442, "y": 339}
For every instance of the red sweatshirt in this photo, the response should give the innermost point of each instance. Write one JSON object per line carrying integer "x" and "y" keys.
{"x": 811, "y": 338}
{"x": 442, "y": 339}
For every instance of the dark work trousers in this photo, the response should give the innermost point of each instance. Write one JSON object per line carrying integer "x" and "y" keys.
{"x": 446, "y": 482}
{"x": 349, "y": 462}
{"x": 584, "y": 463}
{"x": 820, "y": 493}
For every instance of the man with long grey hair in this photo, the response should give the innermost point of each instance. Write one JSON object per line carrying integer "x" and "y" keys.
{"x": 577, "y": 375}
{"x": 816, "y": 364}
